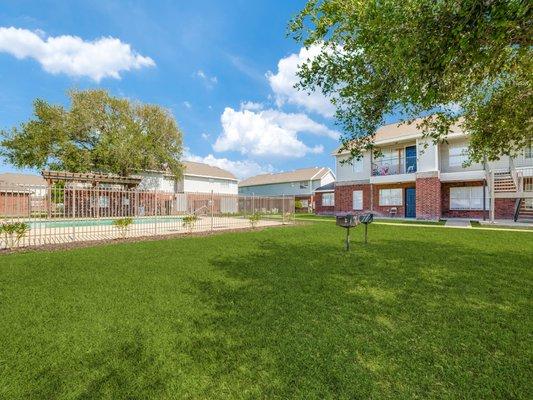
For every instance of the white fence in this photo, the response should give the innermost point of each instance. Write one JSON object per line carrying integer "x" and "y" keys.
{"x": 35, "y": 216}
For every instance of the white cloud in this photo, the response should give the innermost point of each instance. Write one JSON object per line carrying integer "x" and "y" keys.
{"x": 241, "y": 169}
{"x": 282, "y": 84}
{"x": 205, "y": 136}
{"x": 209, "y": 81}
{"x": 251, "y": 106}
{"x": 187, "y": 104}
{"x": 106, "y": 57}
{"x": 268, "y": 133}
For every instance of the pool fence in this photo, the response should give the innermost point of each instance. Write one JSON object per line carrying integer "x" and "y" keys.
{"x": 43, "y": 215}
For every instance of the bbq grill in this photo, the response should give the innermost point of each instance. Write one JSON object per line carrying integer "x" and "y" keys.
{"x": 347, "y": 222}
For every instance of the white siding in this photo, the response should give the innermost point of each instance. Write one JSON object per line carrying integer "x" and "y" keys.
{"x": 427, "y": 157}
{"x": 345, "y": 171}
{"x": 197, "y": 184}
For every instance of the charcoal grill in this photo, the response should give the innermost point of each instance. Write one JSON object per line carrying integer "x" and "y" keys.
{"x": 366, "y": 219}
{"x": 347, "y": 222}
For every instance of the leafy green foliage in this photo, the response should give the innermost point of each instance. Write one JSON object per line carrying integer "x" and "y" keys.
{"x": 189, "y": 222}
{"x": 298, "y": 204}
{"x": 11, "y": 233}
{"x": 463, "y": 62}
{"x": 254, "y": 218}
{"x": 123, "y": 225}
{"x": 99, "y": 133}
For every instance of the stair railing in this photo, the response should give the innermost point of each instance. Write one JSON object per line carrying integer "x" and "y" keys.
{"x": 517, "y": 205}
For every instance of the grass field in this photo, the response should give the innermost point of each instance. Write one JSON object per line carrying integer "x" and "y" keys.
{"x": 283, "y": 313}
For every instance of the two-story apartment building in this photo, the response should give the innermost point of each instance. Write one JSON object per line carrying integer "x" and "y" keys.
{"x": 416, "y": 178}
{"x": 300, "y": 183}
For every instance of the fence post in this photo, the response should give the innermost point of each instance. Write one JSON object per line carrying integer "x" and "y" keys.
{"x": 212, "y": 207}
{"x": 283, "y": 209}
{"x": 73, "y": 212}
{"x": 155, "y": 216}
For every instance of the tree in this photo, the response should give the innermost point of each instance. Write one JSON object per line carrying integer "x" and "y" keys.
{"x": 451, "y": 61}
{"x": 99, "y": 133}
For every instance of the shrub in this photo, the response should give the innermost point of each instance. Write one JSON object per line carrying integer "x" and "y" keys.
{"x": 298, "y": 204}
{"x": 13, "y": 232}
{"x": 288, "y": 217}
{"x": 123, "y": 225}
{"x": 189, "y": 222}
{"x": 254, "y": 219}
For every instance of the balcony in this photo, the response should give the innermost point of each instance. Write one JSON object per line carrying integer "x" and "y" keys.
{"x": 394, "y": 166}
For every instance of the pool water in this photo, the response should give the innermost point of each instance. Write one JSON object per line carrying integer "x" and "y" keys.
{"x": 102, "y": 222}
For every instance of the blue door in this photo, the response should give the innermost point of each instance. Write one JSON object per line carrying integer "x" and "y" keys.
{"x": 410, "y": 159}
{"x": 410, "y": 203}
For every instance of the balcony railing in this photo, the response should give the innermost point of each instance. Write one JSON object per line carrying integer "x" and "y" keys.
{"x": 394, "y": 166}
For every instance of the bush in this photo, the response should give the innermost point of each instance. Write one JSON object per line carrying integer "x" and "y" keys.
{"x": 254, "y": 219}
{"x": 13, "y": 232}
{"x": 288, "y": 217}
{"x": 123, "y": 225}
{"x": 189, "y": 222}
{"x": 298, "y": 204}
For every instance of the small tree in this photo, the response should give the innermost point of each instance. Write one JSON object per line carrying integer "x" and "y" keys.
{"x": 189, "y": 222}
{"x": 298, "y": 204}
{"x": 254, "y": 219}
{"x": 123, "y": 225}
{"x": 12, "y": 233}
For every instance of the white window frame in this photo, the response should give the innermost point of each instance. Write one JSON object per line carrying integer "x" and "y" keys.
{"x": 358, "y": 165}
{"x": 328, "y": 199}
{"x": 468, "y": 198}
{"x": 304, "y": 185}
{"x": 457, "y": 155}
{"x": 391, "y": 197}
{"x": 357, "y": 200}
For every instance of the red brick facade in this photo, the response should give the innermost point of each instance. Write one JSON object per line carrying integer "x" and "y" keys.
{"x": 321, "y": 209}
{"x": 388, "y": 211}
{"x": 344, "y": 197}
{"x": 447, "y": 213}
{"x": 428, "y": 198}
{"x": 432, "y": 200}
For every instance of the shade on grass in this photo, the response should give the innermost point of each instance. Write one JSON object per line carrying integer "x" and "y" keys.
{"x": 281, "y": 313}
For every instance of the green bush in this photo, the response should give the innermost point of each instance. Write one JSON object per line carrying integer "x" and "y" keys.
{"x": 298, "y": 204}
{"x": 254, "y": 219}
{"x": 123, "y": 225}
{"x": 189, "y": 222}
{"x": 13, "y": 232}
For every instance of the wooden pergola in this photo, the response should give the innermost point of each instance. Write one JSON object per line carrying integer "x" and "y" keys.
{"x": 95, "y": 179}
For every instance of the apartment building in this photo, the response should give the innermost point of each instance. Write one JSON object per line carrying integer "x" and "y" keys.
{"x": 415, "y": 178}
{"x": 300, "y": 183}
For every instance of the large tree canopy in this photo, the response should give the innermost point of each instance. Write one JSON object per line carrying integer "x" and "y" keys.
{"x": 469, "y": 59}
{"x": 99, "y": 133}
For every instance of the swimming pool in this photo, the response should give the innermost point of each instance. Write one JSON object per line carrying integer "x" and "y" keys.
{"x": 102, "y": 222}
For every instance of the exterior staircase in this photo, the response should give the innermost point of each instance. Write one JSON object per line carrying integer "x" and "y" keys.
{"x": 523, "y": 213}
{"x": 504, "y": 182}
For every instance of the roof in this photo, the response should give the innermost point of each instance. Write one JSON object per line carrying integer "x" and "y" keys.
{"x": 201, "y": 169}
{"x": 330, "y": 187}
{"x": 400, "y": 131}
{"x": 10, "y": 179}
{"x": 304, "y": 174}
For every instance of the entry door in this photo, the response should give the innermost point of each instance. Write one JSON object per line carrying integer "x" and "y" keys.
{"x": 410, "y": 203}
{"x": 410, "y": 159}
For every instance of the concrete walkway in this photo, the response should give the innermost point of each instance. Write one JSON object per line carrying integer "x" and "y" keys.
{"x": 458, "y": 223}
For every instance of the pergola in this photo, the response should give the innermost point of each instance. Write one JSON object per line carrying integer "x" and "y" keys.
{"x": 95, "y": 179}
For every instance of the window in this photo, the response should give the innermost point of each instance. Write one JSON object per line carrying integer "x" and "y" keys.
{"x": 304, "y": 185}
{"x": 468, "y": 198}
{"x": 357, "y": 200}
{"x": 357, "y": 165}
{"x": 457, "y": 156}
{"x": 224, "y": 184}
{"x": 528, "y": 151}
{"x": 390, "y": 197}
{"x": 328, "y": 199}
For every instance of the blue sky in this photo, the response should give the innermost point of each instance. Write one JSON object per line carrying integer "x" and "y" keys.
{"x": 224, "y": 68}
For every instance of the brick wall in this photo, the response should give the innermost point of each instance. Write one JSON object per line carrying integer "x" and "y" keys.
{"x": 320, "y": 209}
{"x": 344, "y": 198}
{"x": 504, "y": 208}
{"x": 445, "y": 204}
{"x": 385, "y": 210}
{"x": 428, "y": 198}
{"x": 14, "y": 204}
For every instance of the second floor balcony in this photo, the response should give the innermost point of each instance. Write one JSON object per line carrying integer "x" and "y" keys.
{"x": 394, "y": 166}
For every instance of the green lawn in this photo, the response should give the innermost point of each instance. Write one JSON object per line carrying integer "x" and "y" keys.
{"x": 284, "y": 313}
